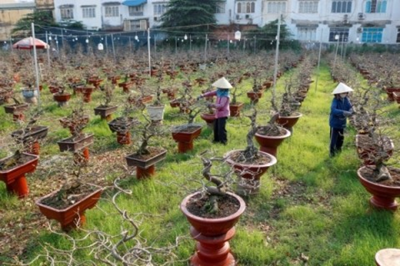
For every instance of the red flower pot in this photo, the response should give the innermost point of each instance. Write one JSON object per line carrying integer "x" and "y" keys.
{"x": 383, "y": 196}
{"x": 389, "y": 92}
{"x": 72, "y": 216}
{"x": 185, "y": 137}
{"x": 105, "y": 112}
{"x": 145, "y": 165}
{"x": 212, "y": 234}
{"x": 15, "y": 177}
{"x": 250, "y": 174}
{"x": 235, "y": 109}
{"x": 62, "y": 99}
{"x": 269, "y": 144}
{"x": 288, "y": 121}
{"x": 209, "y": 118}
{"x": 254, "y": 96}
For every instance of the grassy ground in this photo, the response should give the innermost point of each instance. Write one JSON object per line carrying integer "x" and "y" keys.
{"x": 311, "y": 209}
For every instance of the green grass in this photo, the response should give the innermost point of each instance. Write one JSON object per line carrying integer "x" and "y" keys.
{"x": 322, "y": 211}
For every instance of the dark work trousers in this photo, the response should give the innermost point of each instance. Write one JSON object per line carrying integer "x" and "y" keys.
{"x": 337, "y": 138}
{"x": 220, "y": 130}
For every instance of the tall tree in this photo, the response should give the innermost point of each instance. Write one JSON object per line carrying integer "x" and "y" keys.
{"x": 190, "y": 16}
{"x": 40, "y": 18}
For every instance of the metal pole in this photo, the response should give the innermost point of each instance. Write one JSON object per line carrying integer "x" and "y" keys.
{"x": 48, "y": 51}
{"x": 176, "y": 45}
{"x": 205, "y": 49}
{"x": 36, "y": 63}
{"x": 148, "y": 50}
{"x": 113, "y": 47}
{"x": 155, "y": 43}
{"x": 228, "y": 45}
{"x": 337, "y": 47}
{"x": 276, "y": 55}
{"x": 255, "y": 43}
{"x": 190, "y": 43}
{"x": 319, "y": 61}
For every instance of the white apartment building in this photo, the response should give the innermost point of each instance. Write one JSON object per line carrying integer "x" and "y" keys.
{"x": 357, "y": 21}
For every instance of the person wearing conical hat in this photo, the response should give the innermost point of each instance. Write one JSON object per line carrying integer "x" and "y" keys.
{"x": 341, "y": 108}
{"x": 221, "y": 107}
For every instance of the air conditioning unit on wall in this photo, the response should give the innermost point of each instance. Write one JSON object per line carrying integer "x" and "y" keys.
{"x": 346, "y": 19}
{"x": 361, "y": 16}
{"x": 238, "y": 17}
{"x": 359, "y": 30}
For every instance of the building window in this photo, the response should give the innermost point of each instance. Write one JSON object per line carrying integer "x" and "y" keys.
{"x": 159, "y": 9}
{"x": 88, "y": 12}
{"x": 66, "y": 13}
{"x": 137, "y": 24}
{"x": 308, "y": 6}
{"x": 246, "y": 7}
{"x": 398, "y": 36}
{"x": 341, "y": 6}
{"x": 375, "y": 6}
{"x": 111, "y": 11}
{"x": 136, "y": 10}
{"x": 276, "y": 7}
{"x": 372, "y": 35}
{"x": 306, "y": 33}
{"x": 341, "y": 33}
{"x": 220, "y": 9}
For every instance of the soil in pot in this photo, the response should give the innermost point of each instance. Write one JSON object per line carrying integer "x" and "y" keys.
{"x": 15, "y": 160}
{"x": 238, "y": 157}
{"x": 226, "y": 206}
{"x": 68, "y": 195}
{"x": 369, "y": 174}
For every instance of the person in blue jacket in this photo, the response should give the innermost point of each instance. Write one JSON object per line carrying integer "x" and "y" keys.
{"x": 341, "y": 108}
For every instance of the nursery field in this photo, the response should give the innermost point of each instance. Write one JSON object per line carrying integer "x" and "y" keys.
{"x": 310, "y": 209}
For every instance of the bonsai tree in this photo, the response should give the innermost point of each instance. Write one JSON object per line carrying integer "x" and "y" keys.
{"x": 76, "y": 121}
{"x": 107, "y": 90}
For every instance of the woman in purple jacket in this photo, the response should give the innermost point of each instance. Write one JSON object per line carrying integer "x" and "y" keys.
{"x": 341, "y": 108}
{"x": 222, "y": 108}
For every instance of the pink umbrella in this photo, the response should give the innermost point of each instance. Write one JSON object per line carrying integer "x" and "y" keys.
{"x": 28, "y": 43}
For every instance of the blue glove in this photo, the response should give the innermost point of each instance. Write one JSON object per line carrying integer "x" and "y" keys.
{"x": 346, "y": 113}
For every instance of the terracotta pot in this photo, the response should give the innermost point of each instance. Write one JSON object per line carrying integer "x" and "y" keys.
{"x": 288, "y": 121}
{"x": 105, "y": 112}
{"x": 33, "y": 136}
{"x": 145, "y": 167}
{"x": 76, "y": 144}
{"x": 389, "y": 92}
{"x": 174, "y": 103}
{"x": 87, "y": 92}
{"x": 114, "y": 79}
{"x": 95, "y": 82}
{"x": 270, "y": 144}
{"x": 146, "y": 99}
{"x": 15, "y": 177}
{"x": 16, "y": 108}
{"x": 209, "y": 118}
{"x": 62, "y": 99}
{"x": 212, "y": 235}
{"x": 254, "y": 96}
{"x": 72, "y": 216}
{"x": 250, "y": 174}
{"x": 185, "y": 138}
{"x": 124, "y": 138}
{"x": 122, "y": 124}
{"x": 383, "y": 197}
{"x": 125, "y": 86}
{"x": 235, "y": 109}
{"x": 396, "y": 96}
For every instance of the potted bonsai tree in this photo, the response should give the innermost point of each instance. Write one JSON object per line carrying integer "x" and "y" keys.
{"x": 69, "y": 204}
{"x": 122, "y": 125}
{"x": 30, "y": 135}
{"x": 17, "y": 109}
{"x": 234, "y": 105}
{"x": 61, "y": 96}
{"x": 146, "y": 156}
{"x": 250, "y": 163}
{"x": 28, "y": 91}
{"x": 257, "y": 91}
{"x": 105, "y": 110}
{"x": 288, "y": 112}
{"x": 213, "y": 212}
{"x": 156, "y": 110}
{"x": 79, "y": 142}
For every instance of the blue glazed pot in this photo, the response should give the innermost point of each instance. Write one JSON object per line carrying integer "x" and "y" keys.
{"x": 29, "y": 93}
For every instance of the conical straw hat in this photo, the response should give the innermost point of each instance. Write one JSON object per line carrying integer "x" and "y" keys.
{"x": 342, "y": 88}
{"x": 222, "y": 83}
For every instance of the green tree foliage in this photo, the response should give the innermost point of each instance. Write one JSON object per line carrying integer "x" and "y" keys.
{"x": 40, "y": 18}
{"x": 266, "y": 36}
{"x": 189, "y": 16}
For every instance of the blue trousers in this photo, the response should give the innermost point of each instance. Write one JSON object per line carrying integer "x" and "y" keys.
{"x": 337, "y": 139}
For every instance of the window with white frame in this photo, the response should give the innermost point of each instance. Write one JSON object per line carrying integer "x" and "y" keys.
{"x": 220, "y": 8}
{"x": 375, "y": 6}
{"x": 341, "y": 6}
{"x": 136, "y": 10}
{"x": 308, "y": 6}
{"x": 137, "y": 24}
{"x": 246, "y": 7}
{"x": 276, "y": 7}
{"x": 338, "y": 34}
{"x": 67, "y": 12}
{"x": 159, "y": 9}
{"x": 88, "y": 11}
{"x": 111, "y": 11}
{"x": 372, "y": 35}
{"x": 306, "y": 33}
